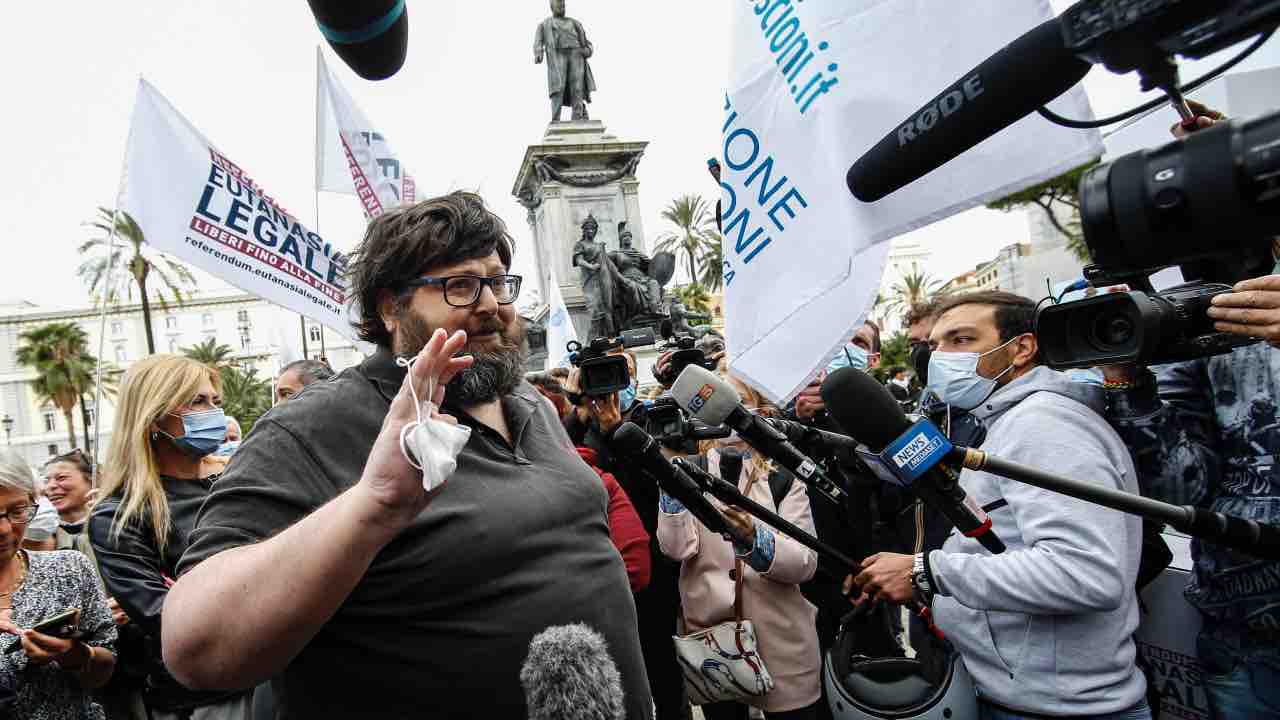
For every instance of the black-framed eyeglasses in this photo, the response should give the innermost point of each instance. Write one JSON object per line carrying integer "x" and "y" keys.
{"x": 464, "y": 290}
{"x": 20, "y": 515}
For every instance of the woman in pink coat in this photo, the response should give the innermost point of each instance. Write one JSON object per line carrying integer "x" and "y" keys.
{"x": 774, "y": 566}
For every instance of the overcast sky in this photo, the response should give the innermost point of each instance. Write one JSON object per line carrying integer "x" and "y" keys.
{"x": 459, "y": 114}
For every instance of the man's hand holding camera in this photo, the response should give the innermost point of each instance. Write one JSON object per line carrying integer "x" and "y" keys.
{"x": 606, "y": 410}
{"x": 1251, "y": 310}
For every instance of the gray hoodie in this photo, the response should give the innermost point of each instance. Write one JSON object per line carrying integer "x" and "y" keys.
{"x": 1047, "y": 626}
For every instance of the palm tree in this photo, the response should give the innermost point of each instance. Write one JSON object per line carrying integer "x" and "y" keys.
{"x": 210, "y": 353}
{"x": 245, "y": 396}
{"x": 695, "y": 298}
{"x": 65, "y": 371}
{"x": 176, "y": 280}
{"x": 691, "y": 216}
{"x": 914, "y": 289}
{"x": 712, "y": 276}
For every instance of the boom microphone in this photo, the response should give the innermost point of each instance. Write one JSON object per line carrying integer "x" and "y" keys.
{"x": 1021, "y": 77}
{"x": 706, "y": 396}
{"x": 371, "y": 37}
{"x": 867, "y": 411}
{"x": 569, "y": 675}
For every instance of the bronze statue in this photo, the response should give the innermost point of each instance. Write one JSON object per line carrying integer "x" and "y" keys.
{"x": 563, "y": 43}
{"x": 597, "y": 275}
{"x": 643, "y": 292}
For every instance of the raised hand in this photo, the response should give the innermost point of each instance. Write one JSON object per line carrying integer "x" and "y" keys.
{"x": 388, "y": 477}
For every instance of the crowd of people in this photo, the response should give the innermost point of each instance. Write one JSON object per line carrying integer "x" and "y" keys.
{"x": 386, "y": 541}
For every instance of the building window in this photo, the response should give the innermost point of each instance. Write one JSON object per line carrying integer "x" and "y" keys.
{"x": 242, "y": 316}
{"x": 244, "y": 339}
{"x": 171, "y": 322}
{"x": 50, "y": 421}
{"x": 117, "y": 327}
{"x": 315, "y": 333}
{"x": 207, "y": 319}
{"x": 121, "y": 353}
{"x": 92, "y": 413}
{"x": 53, "y": 450}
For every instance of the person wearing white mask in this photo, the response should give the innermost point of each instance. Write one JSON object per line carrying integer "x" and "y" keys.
{"x": 1046, "y": 627}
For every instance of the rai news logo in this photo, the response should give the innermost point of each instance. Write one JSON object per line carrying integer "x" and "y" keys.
{"x": 700, "y": 400}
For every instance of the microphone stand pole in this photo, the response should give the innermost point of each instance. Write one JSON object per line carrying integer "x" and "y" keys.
{"x": 1247, "y": 536}
{"x": 730, "y": 495}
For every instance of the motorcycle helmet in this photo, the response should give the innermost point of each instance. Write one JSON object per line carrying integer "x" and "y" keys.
{"x": 896, "y": 688}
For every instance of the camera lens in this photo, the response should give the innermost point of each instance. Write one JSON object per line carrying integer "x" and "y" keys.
{"x": 1112, "y": 329}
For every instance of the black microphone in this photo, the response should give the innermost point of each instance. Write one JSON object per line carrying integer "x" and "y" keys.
{"x": 868, "y": 412}
{"x": 569, "y": 675}
{"x": 810, "y": 437}
{"x": 640, "y": 447}
{"x": 731, "y": 465}
{"x": 1020, "y": 78}
{"x": 707, "y": 396}
{"x": 371, "y": 37}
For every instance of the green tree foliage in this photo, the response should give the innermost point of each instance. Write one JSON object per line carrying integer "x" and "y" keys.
{"x": 693, "y": 219}
{"x": 210, "y": 352}
{"x": 65, "y": 371}
{"x": 913, "y": 289}
{"x": 176, "y": 280}
{"x": 895, "y": 353}
{"x": 712, "y": 262}
{"x": 1059, "y": 198}
{"x": 245, "y": 396}
{"x": 695, "y": 298}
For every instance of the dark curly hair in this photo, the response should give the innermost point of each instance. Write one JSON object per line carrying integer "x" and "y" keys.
{"x": 405, "y": 243}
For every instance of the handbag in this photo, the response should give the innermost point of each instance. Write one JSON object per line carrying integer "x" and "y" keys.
{"x": 723, "y": 662}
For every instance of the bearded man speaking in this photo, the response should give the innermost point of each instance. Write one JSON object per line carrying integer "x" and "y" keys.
{"x": 321, "y": 561}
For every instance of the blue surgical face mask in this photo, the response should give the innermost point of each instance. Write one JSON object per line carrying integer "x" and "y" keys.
{"x": 849, "y": 356}
{"x": 954, "y": 378}
{"x": 627, "y": 396}
{"x": 202, "y": 432}
{"x": 227, "y": 449}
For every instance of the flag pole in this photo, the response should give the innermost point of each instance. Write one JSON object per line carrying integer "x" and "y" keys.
{"x": 102, "y": 311}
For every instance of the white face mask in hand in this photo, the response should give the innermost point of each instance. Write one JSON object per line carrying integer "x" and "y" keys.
{"x": 428, "y": 443}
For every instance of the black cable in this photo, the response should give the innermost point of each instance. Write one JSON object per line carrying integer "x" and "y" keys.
{"x": 1057, "y": 119}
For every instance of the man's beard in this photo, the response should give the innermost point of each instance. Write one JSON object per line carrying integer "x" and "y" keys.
{"x": 495, "y": 372}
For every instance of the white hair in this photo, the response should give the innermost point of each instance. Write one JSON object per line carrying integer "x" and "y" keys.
{"x": 16, "y": 474}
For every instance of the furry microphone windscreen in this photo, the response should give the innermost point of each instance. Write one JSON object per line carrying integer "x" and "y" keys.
{"x": 569, "y": 675}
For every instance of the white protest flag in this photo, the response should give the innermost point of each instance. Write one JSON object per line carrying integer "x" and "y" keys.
{"x": 361, "y": 163}
{"x": 813, "y": 85}
{"x": 560, "y": 328}
{"x": 194, "y": 203}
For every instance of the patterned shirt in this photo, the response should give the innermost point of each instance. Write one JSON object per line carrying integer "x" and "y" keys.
{"x": 1208, "y": 435}
{"x": 56, "y": 582}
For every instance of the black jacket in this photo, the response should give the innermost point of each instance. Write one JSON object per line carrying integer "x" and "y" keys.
{"x": 135, "y": 573}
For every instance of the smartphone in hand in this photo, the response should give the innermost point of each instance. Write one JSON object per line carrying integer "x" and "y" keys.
{"x": 64, "y": 625}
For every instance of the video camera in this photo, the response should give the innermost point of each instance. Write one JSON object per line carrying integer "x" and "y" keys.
{"x": 602, "y": 373}
{"x": 1208, "y": 204}
{"x": 668, "y": 423}
{"x": 686, "y": 353}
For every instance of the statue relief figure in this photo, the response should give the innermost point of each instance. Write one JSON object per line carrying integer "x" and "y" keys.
{"x": 641, "y": 292}
{"x": 563, "y": 43}
{"x": 597, "y": 275}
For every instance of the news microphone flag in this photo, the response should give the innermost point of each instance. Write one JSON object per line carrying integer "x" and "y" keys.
{"x": 195, "y": 203}
{"x": 361, "y": 161}
{"x": 812, "y": 86}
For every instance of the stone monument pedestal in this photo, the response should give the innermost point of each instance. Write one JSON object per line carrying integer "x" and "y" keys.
{"x": 577, "y": 169}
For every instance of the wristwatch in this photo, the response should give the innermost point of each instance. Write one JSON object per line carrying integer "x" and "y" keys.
{"x": 920, "y": 579}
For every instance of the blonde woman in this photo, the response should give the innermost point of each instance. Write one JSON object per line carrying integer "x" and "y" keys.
{"x": 168, "y": 419}
{"x": 773, "y": 568}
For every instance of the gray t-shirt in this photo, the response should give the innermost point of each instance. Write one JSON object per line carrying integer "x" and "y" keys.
{"x": 440, "y": 624}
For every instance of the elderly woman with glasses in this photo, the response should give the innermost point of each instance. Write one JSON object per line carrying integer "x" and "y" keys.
{"x": 47, "y": 677}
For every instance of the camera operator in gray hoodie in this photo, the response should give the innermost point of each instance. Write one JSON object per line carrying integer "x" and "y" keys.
{"x": 1046, "y": 627}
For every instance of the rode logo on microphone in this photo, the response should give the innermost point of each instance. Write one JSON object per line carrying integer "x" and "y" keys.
{"x": 697, "y": 402}
{"x": 941, "y": 108}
